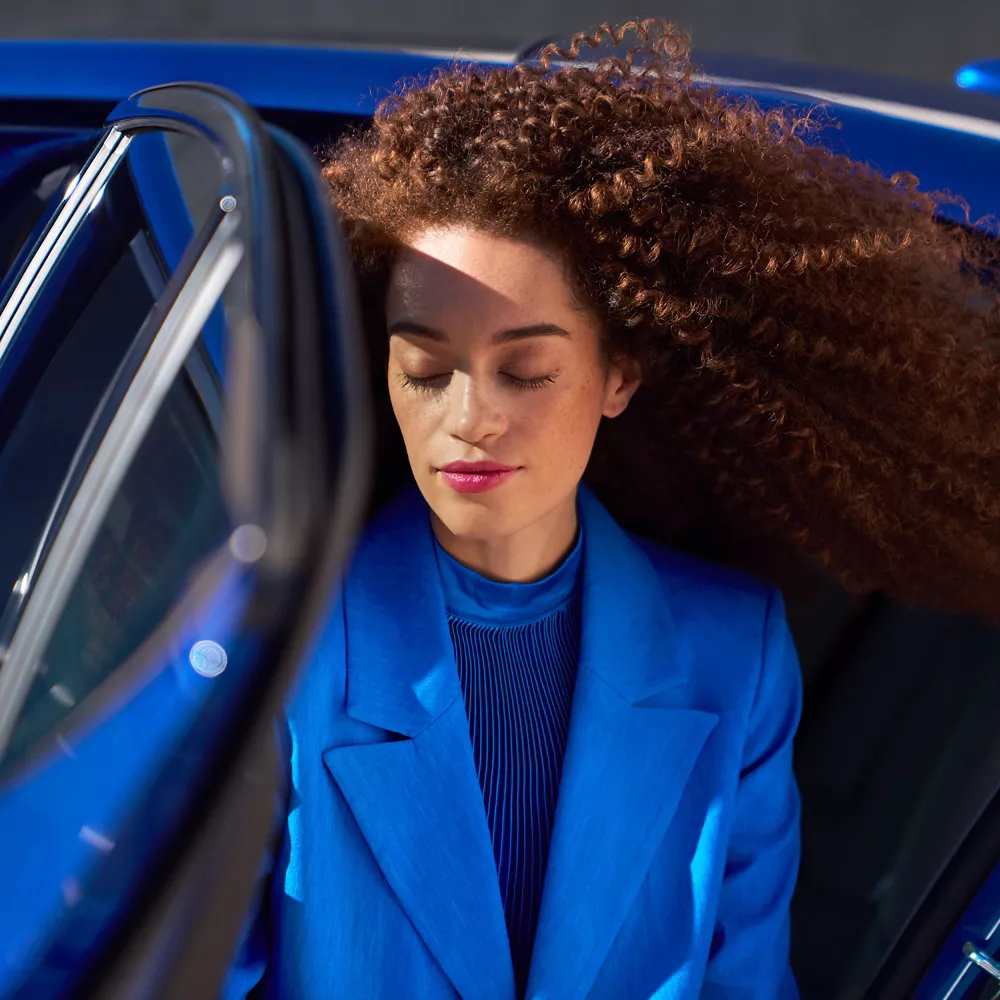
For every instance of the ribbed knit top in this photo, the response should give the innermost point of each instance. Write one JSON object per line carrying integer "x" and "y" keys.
{"x": 517, "y": 646}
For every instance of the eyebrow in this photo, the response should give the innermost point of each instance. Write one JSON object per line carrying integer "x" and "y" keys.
{"x": 503, "y": 337}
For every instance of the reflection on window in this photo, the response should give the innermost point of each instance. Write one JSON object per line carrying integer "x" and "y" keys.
{"x": 168, "y": 512}
{"x": 167, "y": 516}
{"x": 38, "y": 452}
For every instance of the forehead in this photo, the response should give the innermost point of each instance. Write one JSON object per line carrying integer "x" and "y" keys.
{"x": 449, "y": 270}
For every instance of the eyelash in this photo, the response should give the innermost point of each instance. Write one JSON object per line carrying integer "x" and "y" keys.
{"x": 521, "y": 384}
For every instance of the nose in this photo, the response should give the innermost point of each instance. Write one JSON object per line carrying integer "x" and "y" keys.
{"x": 474, "y": 412}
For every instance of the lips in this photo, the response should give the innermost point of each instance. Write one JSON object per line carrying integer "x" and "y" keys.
{"x": 475, "y": 467}
{"x": 477, "y": 477}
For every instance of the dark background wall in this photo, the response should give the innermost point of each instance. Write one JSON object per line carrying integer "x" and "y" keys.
{"x": 922, "y": 39}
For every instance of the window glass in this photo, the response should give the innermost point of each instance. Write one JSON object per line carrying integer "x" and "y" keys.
{"x": 165, "y": 520}
{"x": 49, "y": 426}
{"x": 82, "y": 321}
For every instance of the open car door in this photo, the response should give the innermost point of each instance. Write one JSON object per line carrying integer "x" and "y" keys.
{"x": 184, "y": 452}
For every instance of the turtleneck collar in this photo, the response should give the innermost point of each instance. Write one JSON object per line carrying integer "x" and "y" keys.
{"x": 473, "y": 597}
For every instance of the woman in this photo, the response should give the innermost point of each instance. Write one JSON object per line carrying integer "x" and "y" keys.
{"x": 536, "y": 755}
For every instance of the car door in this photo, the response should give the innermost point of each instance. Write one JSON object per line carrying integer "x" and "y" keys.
{"x": 183, "y": 465}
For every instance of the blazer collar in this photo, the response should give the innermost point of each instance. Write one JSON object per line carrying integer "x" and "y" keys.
{"x": 630, "y": 639}
{"x": 401, "y": 672}
{"x": 633, "y": 742}
{"x": 634, "y": 739}
{"x": 417, "y": 801}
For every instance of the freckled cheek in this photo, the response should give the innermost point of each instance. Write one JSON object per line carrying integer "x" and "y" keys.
{"x": 563, "y": 423}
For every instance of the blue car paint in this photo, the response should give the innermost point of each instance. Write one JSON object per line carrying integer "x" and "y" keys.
{"x": 349, "y": 82}
{"x": 334, "y": 82}
{"x": 918, "y": 93}
{"x": 329, "y": 80}
{"x": 13, "y": 139}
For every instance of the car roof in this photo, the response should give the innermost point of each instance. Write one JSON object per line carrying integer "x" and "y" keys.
{"x": 949, "y": 137}
{"x": 334, "y": 80}
{"x": 350, "y": 80}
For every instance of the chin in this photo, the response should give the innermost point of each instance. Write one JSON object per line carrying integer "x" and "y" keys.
{"x": 473, "y": 517}
{"x": 479, "y": 525}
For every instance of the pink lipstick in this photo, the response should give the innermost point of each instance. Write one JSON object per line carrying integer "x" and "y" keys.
{"x": 476, "y": 477}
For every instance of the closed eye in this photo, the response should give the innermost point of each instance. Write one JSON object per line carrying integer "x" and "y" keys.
{"x": 436, "y": 383}
{"x": 531, "y": 383}
{"x": 429, "y": 383}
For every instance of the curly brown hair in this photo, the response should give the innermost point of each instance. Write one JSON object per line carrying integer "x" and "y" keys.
{"x": 818, "y": 347}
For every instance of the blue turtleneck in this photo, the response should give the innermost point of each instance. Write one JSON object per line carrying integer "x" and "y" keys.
{"x": 517, "y": 647}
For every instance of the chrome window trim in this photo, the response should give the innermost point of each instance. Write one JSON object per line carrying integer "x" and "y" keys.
{"x": 970, "y": 965}
{"x": 167, "y": 354}
{"x": 79, "y": 201}
{"x": 957, "y": 981}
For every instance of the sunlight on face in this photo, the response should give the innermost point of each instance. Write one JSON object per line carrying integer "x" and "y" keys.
{"x": 492, "y": 361}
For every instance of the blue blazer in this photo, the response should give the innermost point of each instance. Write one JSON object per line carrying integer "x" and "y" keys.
{"x": 675, "y": 844}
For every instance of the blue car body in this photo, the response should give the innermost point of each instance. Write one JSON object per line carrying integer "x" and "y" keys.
{"x": 57, "y": 91}
{"x": 945, "y": 137}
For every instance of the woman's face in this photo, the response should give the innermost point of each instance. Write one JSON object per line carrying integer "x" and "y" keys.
{"x": 497, "y": 380}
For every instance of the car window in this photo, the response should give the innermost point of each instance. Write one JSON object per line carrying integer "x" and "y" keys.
{"x": 48, "y": 420}
{"x": 169, "y": 512}
{"x": 166, "y": 518}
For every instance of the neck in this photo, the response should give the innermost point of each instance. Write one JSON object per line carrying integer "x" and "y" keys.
{"x": 525, "y": 556}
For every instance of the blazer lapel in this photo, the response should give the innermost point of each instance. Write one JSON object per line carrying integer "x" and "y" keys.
{"x": 417, "y": 800}
{"x": 632, "y": 745}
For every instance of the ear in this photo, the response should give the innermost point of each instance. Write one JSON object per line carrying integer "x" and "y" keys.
{"x": 622, "y": 381}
